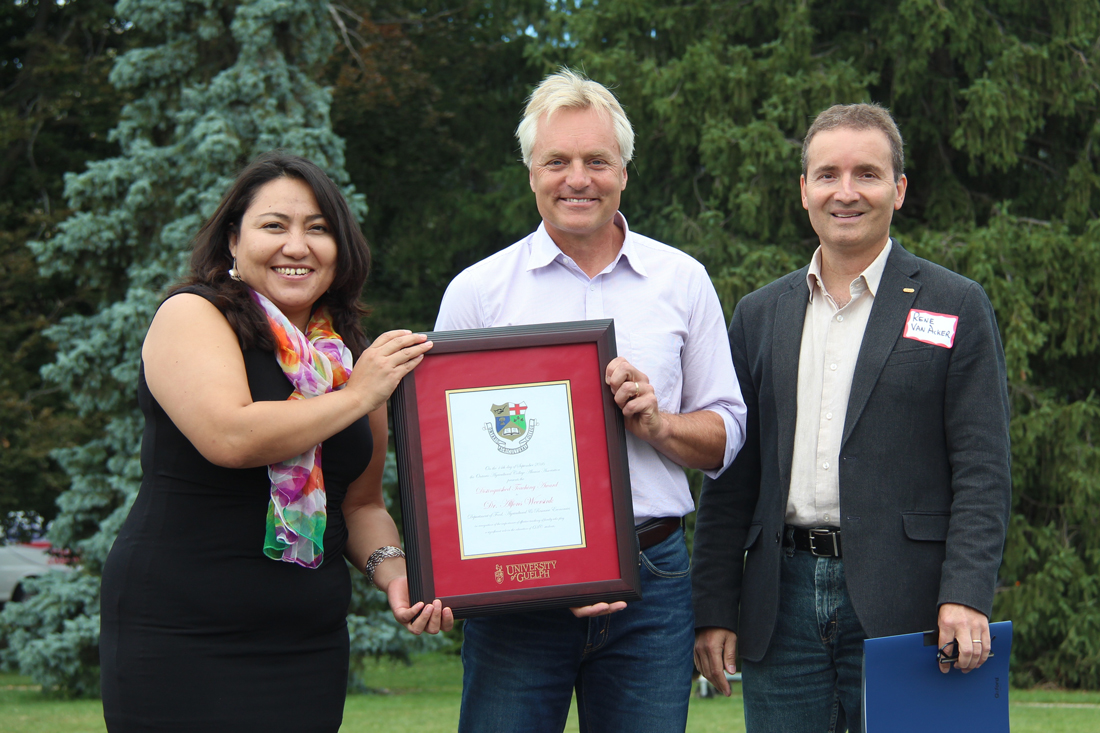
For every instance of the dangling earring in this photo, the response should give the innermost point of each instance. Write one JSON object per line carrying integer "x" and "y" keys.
{"x": 233, "y": 274}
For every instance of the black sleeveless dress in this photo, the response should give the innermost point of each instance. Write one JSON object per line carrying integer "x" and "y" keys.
{"x": 199, "y": 630}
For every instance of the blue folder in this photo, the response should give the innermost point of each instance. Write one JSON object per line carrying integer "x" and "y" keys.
{"x": 905, "y": 692}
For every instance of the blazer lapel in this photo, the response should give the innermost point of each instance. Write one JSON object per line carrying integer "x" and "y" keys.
{"x": 790, "y": 315}
{"x": 884, "y": 327}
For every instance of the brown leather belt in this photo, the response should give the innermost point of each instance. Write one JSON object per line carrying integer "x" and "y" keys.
{"x": 821, "y": 541}
{"x": 656, "y": 530}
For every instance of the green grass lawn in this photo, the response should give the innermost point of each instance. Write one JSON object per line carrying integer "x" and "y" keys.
{"x": 426, "y": 694}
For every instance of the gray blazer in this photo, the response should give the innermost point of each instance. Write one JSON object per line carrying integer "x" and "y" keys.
{"x": 924, "y": 463}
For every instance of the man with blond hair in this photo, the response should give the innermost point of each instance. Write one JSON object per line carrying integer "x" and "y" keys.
{"x": 630, "y": 664}
{"x": 872, "y": 495}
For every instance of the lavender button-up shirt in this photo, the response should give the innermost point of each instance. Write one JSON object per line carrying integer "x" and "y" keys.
{"x": 668, "y": 323}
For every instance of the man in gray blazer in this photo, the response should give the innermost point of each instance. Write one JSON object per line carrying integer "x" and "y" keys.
{"x": 872, "y": 495}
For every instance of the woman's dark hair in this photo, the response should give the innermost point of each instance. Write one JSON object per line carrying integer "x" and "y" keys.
{"x": 211, "y": 260}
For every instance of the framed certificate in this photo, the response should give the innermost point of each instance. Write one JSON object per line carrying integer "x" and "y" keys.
{"x": 511, "y": 454}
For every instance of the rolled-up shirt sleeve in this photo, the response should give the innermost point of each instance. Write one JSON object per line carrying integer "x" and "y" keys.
{"x": 710, "y": 382}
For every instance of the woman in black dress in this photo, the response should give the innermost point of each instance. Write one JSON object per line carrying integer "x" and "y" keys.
{"x": 225, "y": 596}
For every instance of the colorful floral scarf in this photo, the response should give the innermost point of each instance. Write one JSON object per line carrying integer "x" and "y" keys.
{"x": 315, "y": 362}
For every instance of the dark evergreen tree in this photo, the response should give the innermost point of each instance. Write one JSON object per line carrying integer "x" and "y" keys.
{"x": 428, "y": 107}
{"x": 56, "y": 109}
{"x": 998, "y": 101}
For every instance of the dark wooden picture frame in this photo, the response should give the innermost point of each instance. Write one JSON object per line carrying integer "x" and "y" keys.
{"x": 606, "y": 569}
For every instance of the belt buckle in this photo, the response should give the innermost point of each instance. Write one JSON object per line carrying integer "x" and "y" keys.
{"x": 831, "y": 534}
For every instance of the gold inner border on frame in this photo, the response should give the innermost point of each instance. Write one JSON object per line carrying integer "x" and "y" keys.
{"x": 576, "y": 466}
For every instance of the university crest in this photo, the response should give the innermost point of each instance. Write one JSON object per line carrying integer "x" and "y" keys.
{"x": 511, "y": 419}
{"x": 509, "y": 425}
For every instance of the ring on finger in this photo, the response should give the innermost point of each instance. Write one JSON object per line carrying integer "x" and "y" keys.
{"x": 637, "y": 389}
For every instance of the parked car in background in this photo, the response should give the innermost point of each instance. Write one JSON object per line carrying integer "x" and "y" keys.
{"x": 25, "y": 560}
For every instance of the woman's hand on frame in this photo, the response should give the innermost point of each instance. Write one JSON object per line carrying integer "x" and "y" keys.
{"x": 420, "y": 617}
{"x": 385, "y": 363}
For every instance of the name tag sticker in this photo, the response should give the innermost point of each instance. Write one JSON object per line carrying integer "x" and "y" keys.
{"x": 937, "y": 329}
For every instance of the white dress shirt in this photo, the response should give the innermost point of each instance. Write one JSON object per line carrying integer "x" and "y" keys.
{"x": 831, "y": 338}
{"x": 668, "y": 324}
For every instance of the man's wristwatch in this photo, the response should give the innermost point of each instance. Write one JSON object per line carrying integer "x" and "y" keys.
{"x": 376, "y": 558}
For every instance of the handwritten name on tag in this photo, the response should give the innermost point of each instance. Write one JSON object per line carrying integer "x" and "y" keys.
{"x": 937, "y": 329}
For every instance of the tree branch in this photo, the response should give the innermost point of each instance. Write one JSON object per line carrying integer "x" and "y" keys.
{"x": 335, "y": 10}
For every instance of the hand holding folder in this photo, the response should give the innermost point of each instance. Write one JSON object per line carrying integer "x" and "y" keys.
{"x": 904, "y": 690}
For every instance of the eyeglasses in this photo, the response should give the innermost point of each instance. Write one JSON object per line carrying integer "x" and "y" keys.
{"x": 949, "y": 652}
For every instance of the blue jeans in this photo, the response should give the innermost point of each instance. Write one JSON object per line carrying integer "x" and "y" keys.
{"x": 809, "y": 680}
{"x": 631, "y": 670}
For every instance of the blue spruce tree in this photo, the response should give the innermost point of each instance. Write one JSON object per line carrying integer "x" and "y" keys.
{"x": 214, "y": 83}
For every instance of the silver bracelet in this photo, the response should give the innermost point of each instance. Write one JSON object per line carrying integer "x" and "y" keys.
{"x": 376, "y": 558}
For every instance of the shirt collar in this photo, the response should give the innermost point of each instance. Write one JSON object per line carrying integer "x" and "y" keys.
{"x": 544, "y": 251}
{"x": 871, "y": 276}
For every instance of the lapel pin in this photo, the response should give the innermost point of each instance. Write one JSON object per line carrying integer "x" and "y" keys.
{"x": 908, "y": 290}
